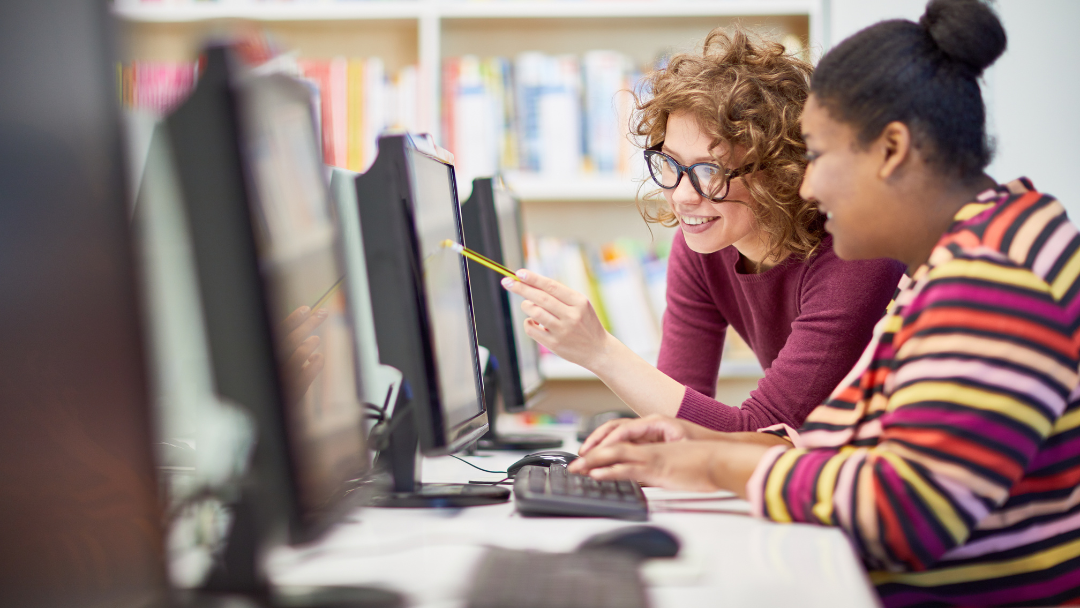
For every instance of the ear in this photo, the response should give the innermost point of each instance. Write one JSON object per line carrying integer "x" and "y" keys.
{"x": 895, "y": 145}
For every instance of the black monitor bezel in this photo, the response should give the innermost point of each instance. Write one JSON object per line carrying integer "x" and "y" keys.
{"x": 387, "y": 211}
{"x": 216, "y": 183}
{"x": 495, "y": 322}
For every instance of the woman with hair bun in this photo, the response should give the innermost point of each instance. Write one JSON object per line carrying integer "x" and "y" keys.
{"x": 725, "y": 151}
{"x": 950, "y": 454}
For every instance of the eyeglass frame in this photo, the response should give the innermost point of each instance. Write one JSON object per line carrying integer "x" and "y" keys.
{"x": 729, "y": 174}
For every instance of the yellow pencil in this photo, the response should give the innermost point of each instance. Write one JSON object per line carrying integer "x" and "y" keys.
{"x": 479, "y": 259}
{"x": 326, "y": 296}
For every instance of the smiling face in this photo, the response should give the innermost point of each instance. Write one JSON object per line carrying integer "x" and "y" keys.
{"x": 709, "y": 226}
{"x": 845, "y": 179}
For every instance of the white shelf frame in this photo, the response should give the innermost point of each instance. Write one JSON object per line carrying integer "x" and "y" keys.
{"x": 430, "y": 16}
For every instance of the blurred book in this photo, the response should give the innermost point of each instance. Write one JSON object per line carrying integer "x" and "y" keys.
{"x": 614, "y": 278}
{"x": 156, "y": 86}
{"x": 355, "y": 98}
{"x": 551, "y": 115}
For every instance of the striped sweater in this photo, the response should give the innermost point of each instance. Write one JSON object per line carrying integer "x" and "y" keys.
{"x": 950, "y": 455}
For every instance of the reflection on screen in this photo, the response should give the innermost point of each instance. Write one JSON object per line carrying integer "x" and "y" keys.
{"x": 298, "y": 256}
{"x": 444, "y": 280}
{"x": 528, "y": 354}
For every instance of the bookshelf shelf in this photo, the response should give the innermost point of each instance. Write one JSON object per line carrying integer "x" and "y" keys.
{"x": 632, "y": 8}
{"x": 133, "y": 10}
{"x": 250, "y": 11}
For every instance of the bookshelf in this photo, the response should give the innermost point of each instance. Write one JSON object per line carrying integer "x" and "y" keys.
{"x": 594, "y": 208}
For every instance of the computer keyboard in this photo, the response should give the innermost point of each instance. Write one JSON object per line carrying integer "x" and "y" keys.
{"x": 507, "y": 578}
{"x": 554, "y": 491}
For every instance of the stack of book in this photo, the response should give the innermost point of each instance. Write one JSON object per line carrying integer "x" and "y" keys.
{"x": 356, "y": 98}
{"x": 156, "y": 86}
{"x": 557, "y": 115}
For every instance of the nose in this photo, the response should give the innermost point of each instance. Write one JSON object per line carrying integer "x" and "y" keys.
{"x": 684, "y": 193}
{"x": 806, "y": 191}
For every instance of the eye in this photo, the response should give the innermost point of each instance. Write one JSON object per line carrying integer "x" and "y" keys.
{"x": 811, "y": 156}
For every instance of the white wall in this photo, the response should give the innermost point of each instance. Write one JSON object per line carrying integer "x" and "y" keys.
{"x": 1032, "y": 92}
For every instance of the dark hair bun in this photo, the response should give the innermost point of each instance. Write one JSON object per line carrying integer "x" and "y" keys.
{"x": 967, "y": 31}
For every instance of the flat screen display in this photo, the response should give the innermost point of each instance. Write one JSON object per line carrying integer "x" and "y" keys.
{"x": 510, "y": 236}
{"x": 302, "y": 267}
{"x": 453, "y": 336}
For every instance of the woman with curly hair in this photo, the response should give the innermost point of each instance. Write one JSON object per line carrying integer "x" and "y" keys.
{"x": 725, "y": 149}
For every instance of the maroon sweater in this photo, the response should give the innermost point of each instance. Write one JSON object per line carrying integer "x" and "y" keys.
{"x": 807, "y": 321}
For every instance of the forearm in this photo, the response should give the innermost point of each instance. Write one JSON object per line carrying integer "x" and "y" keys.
{"x": 639, "y": 384}
{"x": 733, "y": 462}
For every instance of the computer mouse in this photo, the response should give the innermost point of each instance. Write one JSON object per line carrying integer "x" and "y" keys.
{"x": 643, "y": 541}
{"x": 541, "y": 459}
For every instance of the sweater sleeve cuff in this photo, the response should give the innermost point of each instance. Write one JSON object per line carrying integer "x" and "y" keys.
{"x": 709, "y": 413}
{"x": 755, "y": 486}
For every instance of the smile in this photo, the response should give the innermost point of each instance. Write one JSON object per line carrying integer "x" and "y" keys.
{"x": 691, "y": 220}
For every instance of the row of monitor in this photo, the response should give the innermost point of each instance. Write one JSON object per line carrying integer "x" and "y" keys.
{"x": 393, "y": 331}
{"x": 325, "y": 298}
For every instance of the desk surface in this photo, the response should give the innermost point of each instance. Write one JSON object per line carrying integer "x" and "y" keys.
{"x": 727, "y": 559}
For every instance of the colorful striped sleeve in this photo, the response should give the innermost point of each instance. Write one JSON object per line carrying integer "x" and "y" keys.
{"x": 982, "y": 362}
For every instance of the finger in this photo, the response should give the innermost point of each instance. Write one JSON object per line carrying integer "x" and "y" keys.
{"x": 540, "y": 314}
{"x": 295, "y": 318}
{"x": 537, "y": 332}
{"x": 305, "y": 329}
{"x": 310, "y": 371}
{"x": 537, "y": 296}
{"x": 633, "y": 471}
{"x": 553, "y": 287}
{"x": 623, "y": 453}
{"x": 600, "y": 433}
{"x": 302, "y": 352}
{"x": 645, "y": 430}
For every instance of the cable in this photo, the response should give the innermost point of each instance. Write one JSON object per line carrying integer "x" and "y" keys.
{"x": 476, "y": 467}
{"x": 490, "y": 483}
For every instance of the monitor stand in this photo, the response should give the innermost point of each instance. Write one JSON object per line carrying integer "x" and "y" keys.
{"x": 528, "y": 442}
{"x": 401, "y": 458}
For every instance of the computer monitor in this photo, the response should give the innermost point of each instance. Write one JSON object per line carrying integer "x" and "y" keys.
{"x": 80, "y": 524}
{"x": 491, "y": 218}
{"x": 423, "y": 316}
{"x": 381, "y": 382}
{"x": 278, "y": 326}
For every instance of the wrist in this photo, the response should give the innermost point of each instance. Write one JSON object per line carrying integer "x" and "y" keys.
{"x": 600, "y": 362}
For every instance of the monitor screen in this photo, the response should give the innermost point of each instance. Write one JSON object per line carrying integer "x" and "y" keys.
{"x": 449, "y": 310}
{"x": 513, "y": 256}
{"x": 299, "y": 256}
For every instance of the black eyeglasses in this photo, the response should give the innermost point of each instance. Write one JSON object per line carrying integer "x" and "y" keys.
{"x": 710, "y": 180}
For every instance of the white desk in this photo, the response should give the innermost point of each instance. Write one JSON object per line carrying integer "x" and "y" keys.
{"x": 727, "y": 557}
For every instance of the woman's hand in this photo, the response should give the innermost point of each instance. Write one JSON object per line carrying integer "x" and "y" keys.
{"x": 700, "y": 466}
{"x": 560, "y": 319}
{"x": 655, "y": 428}
{"x": 301, "y": 364}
